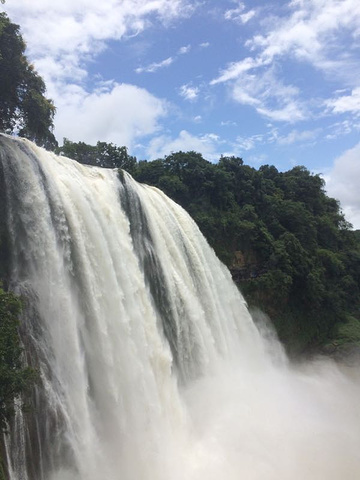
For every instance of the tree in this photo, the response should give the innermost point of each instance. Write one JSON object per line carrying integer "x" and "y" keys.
{"x": 15, "y": 379}
{"x": 106, "y": 155}
{"x": 24, "y": 109}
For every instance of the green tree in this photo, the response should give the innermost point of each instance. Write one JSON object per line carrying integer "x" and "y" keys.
{"x": 15, "y": 378}
{"x": 106, "y": 155}
{"x": 24, "y": 109}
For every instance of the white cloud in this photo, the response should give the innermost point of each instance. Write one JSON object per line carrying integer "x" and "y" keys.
{"x": 228, "y": 123}
{"x": 153, "y": 67}
{"x": 298, "y": 136}
{"x": 118, "y": 113}
{"x": 184, "y": 50}
{"x": 272, "y": 136}
{"x": 72, "y": 32}
{"x": 238, "y": 15}
{"x": 346, "y": 103}
{"x": 206, "y": 145}
{"x": 269, "y": 96}
{"x": 87, "y": 21}
{"x": 229, "y": 14}
{"x": 263, "y": 90}
{"x": 248, "y": 143}
{"x": 311, "y": 31}
{"x": 342, "y": 183}
{"x": 189, "y": 92}
{"x": 289, "y": 113}
{"x": 235, "y": 69}
{"x": 339, "y": 129}
{"x": 245, "y": 17}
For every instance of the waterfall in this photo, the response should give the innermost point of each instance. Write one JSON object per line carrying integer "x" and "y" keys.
{"x": 150, "y": 364}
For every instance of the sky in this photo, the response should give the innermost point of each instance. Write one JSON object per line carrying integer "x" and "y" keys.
{"x": 273, "y": 82}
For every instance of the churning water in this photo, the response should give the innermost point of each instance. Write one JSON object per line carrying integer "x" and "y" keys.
{"x": 151, "y": 366}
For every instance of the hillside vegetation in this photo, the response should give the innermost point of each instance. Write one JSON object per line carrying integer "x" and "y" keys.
{"x": 286, "y": 242}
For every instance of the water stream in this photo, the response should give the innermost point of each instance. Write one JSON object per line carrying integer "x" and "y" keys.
{"x": 151, "y": 366}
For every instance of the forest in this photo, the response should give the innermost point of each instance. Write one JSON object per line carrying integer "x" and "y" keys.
{"x": 287, "y": 244}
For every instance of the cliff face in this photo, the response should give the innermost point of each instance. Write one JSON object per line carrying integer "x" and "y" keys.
{"x": 245, "y": 266}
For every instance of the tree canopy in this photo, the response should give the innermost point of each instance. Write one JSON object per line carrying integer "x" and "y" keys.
{"x": 102, "y": 154}
{"x": 24, "y": 109}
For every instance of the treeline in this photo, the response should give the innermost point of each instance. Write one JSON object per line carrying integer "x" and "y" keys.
{"x": 286, "y": 242}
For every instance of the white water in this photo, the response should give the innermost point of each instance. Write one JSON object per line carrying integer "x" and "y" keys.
{"x": 151, "y": 366}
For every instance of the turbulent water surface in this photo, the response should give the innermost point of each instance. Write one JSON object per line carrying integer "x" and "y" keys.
{"x": 151, "y": 366}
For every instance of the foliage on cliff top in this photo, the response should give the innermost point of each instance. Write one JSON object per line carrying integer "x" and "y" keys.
{"x": 24, "y": 109}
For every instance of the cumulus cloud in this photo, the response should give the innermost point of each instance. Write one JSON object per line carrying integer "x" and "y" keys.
{"x": 206, "y": 144}
{"x": 77, "y": 31}
{"x": 342, "y": 183}
{"x": 88, "y": 21}
{"x": 118, "y": 113}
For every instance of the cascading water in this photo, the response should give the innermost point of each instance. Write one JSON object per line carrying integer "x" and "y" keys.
{"x": 150, "y": 364}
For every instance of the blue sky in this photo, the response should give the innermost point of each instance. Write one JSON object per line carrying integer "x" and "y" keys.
{"x": 274, "y": 82}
